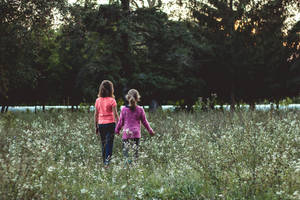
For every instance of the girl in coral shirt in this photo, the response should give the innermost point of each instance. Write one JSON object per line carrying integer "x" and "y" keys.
{"x": 106, "y": 117}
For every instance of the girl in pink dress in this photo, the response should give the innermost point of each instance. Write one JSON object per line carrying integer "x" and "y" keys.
{"x": 130, "y": 120}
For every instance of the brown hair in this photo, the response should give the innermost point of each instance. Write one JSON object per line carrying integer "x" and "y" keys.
{"x": 133, "y": 96}
{"x": 106, "y": 89}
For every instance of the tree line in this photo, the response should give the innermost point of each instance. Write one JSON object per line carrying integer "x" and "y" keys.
{"x": 243, "y": 51}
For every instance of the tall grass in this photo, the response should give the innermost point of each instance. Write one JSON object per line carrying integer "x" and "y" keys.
{"x": 204, "y": 155}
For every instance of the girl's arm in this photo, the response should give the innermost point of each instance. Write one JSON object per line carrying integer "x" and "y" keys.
{"x": 96, "y": 119}
{"x": 116, "y": 116}
{"x": 146, "y": 123}
{"x": 120, "y": 123}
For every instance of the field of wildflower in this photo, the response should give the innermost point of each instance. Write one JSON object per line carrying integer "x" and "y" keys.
{"x": 201, "y": 155}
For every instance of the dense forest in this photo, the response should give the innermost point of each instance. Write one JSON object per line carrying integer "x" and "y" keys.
{"x": 241, "y": 50}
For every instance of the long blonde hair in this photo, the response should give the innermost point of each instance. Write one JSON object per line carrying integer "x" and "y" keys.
{"x": 133, "y": 96}
{"x": 106, "y": 89}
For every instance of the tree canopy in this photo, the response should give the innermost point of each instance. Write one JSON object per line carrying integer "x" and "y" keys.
{"x": 243, "y": 51}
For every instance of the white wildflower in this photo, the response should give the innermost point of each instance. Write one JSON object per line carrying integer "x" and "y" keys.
{"x": 51, "y": 169}
{"x": 123, "y": 186}
{"x": 161, "y": 190}
{"x": 140, "y": 192}
{"x": 83, "y": 191}
{"x": 279, "y": 192}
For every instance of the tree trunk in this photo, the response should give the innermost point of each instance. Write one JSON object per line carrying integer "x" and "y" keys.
{"x": 125, "y": 90}
{"x": 153, "y": 105}
{"x": 231, "y": 4}
{"x": 232, "y": 97}
{"x": 125, "y": 53}
{"x": 272, "y": 107}
{"x": 252, "y": 106}
{"x": 211, "y": 105}
{"x": 189, "y": 107}
{"x": 3, "y": 109}
{"x": 125, "y": 5}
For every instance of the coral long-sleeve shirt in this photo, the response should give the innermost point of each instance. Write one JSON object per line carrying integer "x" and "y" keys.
{"x": 130, "y": 121}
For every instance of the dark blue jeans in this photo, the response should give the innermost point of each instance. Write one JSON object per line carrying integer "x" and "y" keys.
{"x": 107, "y": 134}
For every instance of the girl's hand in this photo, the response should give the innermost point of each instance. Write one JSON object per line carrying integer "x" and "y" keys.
{"x": 153, "y": 133}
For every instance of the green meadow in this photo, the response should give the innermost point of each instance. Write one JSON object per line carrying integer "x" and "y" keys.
{"x": 200, "y": 155}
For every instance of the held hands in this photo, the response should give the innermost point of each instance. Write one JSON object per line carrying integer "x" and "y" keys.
{"x": 116, "y": 132}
